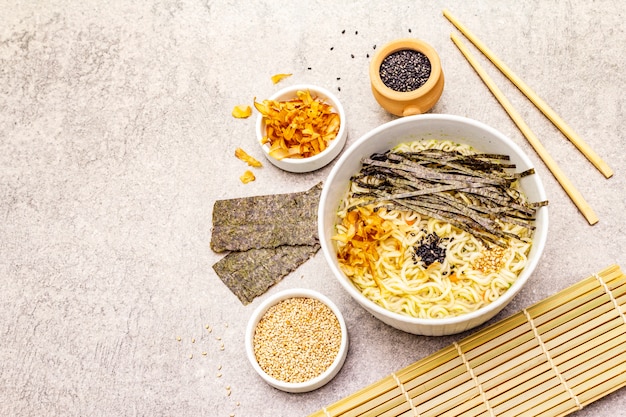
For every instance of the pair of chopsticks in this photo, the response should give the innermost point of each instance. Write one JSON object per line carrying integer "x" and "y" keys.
{"x": 560, "y": 176}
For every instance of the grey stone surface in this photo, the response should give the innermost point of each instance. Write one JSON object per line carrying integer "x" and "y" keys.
{"x": 116, "y": 139}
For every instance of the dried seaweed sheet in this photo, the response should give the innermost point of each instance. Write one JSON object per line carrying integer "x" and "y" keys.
{"x": 250, "y": 273}
{"x": 266, "y": 221}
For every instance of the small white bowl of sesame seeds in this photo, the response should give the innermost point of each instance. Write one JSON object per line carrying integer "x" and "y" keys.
{"x": 297, "y": 340}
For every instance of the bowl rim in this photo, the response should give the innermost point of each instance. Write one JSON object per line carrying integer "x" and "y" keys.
{"x": 312, "y": 383}
{"x": 331, "y": 99}
{"x": 539, "y": 238}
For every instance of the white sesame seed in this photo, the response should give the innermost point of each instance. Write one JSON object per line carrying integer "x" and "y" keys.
{"x": 297, "y": 339}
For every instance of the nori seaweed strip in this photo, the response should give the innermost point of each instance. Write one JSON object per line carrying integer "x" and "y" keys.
{"x": 462, "y": 163}
{"x": 472, "y": 192}
{"x": 402, "y": 195}
{"x": 499, "y": 199}
{"x": 431, "y": 174}
{"x": 266, "y": 221}
{"x": 462, "y": 223}
{"x": 249, "y": 274}
{"x": 487, "y": 223}
{"x": 471, "y": 169}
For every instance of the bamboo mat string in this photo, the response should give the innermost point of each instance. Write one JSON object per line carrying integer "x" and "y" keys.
{"x": 546, "y": 352}
{"x": 406, "y": 394}
{"x": 610, "y": 294}
{"x": 470, "y": 370}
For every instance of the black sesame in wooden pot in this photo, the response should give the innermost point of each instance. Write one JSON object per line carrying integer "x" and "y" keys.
{"x": 406, "y": 77}
{"x": 405, "y": 70}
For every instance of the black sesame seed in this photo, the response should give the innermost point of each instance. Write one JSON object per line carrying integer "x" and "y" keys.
{"x": 409, "y": 30}
{"x": 367, "y": 55}
{"x": 356, "y": 32}
{"x": 343, "y": 31}
{"x": 332, "y": 47}
{"x": 352, "y": 55}
{"x": 429, "y": 250}
{"x": 338, "y": 88}
{"x": 338, "y": 78}
{"x": 405, "y": 70}
{"x": 374, "y": 47}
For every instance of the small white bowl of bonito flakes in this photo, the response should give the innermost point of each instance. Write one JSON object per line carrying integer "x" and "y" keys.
{"x": 297, "y": 340}
{"x": 301, "y": 128}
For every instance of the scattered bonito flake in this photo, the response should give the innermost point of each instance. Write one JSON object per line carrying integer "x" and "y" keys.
{"x": 278, "y": 77}
{"x": 242, "y": 111}
{"x": 247, "y": 177}
{"x": 250, "y": 160}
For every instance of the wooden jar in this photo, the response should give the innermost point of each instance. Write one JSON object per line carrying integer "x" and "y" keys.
{"x": 417, "y": 101}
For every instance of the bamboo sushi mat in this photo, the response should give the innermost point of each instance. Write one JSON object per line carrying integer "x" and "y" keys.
{"x": 550, "y": 359}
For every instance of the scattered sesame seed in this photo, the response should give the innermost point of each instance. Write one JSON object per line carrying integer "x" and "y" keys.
{"x": 343, "y": 31}
{"x": 219, "y": 368}
{"x": 191, "y": 356}
{"x": 178, "y": 338}
{"x": 409, "y": 30}
{"x": 374, "y": 47}
{"x": 206, "y": 326}
{"x": 352, "y": 55}
{"x": 219, "y": 374}
{"x": 338, "y": 88}
{"x": 356, "y": 32}
{"x": 332, "y": 47}
{"x": 193, "y": 340}
{"x": 338, "y": 78}
{"x": 204, "y": 353}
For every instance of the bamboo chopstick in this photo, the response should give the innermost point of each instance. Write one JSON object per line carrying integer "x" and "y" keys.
{"x": 549, "y": 360}
{"x": 560, "y": 176}
{"x": 589, "y": 153}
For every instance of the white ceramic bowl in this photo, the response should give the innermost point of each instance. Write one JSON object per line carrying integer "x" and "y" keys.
{"x": 323, "y": 158}
{"x": 313, "y": 383}
{"x": 435, "y": 126}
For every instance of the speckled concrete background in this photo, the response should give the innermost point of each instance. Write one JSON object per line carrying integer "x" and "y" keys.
{"x": 116, "y": 138}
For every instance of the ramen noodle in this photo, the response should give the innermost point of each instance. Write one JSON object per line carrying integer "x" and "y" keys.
{"x": 421, "y": 266}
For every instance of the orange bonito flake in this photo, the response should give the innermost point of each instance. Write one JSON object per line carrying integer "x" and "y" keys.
{"x": 242, "y": 112}
{"x": 243, "y": 155}
{"x": 366, "y": 231}
{"x": 298, "y": 128}
{"x": 247, "y": 177}
{"x": 277, "y": 77}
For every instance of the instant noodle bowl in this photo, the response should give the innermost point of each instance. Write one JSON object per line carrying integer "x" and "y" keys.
{"x": 423, "y": 260}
